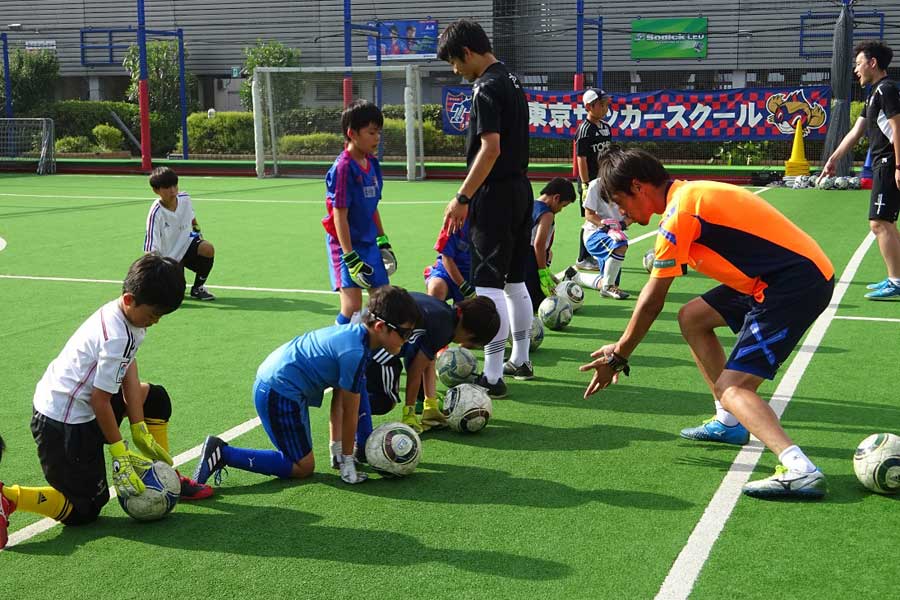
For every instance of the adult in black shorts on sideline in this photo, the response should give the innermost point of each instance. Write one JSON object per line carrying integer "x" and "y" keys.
{"x": 495, "y": 195}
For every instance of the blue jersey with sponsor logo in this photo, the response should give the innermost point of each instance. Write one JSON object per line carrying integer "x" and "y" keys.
{"x": 456, "y": 246}
{"x": 348, "y": 185}
{"x": 304, "y": 367}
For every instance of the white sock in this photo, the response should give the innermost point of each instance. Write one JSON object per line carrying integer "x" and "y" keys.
{"x": 493, "y": 352}
{"x": 518, "y": 303}
{"x": 589, "y": 280}
{"x": 336, "y": 449}
{"x": 611, "y": 268}
{"x": 894, "y": 280}
{"x": 724, "y": 417}
{"x": 794, "y": 459}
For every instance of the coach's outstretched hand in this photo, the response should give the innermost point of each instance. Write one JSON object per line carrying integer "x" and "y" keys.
{"x": 360, "y": 272}
{"x": 604, "y": 374}
{"x": 126, "y": 466}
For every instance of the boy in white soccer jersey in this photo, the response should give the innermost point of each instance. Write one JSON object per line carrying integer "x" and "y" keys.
{"x": 173, "y": 231}
{"x": 605, "y": 239}
{"x": 83, "y": 395}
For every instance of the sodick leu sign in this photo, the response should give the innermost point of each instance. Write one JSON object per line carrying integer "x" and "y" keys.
{"x": 668, "y": 38}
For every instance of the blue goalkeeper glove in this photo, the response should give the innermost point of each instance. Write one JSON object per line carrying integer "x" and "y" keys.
{"x": 147, "y": 445}
{"x": 467, "y": 290}
{"x": 387, "y": 254}
{"x": 127, "y": 468}
{"x": 548, "y": 283}
{"x": 360, "y": 272}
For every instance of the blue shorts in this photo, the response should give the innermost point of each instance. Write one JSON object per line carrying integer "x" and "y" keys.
{"x": 601, "y": 245}
{"x": 769, "y": 331}
{"x": 340, "y": 275}
{"x": 438, "y": 271}
{"x": 285, "y": 420}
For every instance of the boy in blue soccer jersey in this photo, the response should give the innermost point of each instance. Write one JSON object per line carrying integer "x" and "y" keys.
{"x": 357, "y": 246}
{"x": 555, "y": 196}
{"x": 449, "y": 275}
{"x": 295, "y": 377}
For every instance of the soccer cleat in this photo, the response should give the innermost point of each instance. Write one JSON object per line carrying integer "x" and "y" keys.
{"x": 494, "y": 390}
{"x": 713, "y": 430}
{"x": 433, "y": 418}
{"x": 336, "y": 462}
{"x": 569, "y": 274}
{"x": 191, "y": 490}
{"x": 211, "y": 460}
{"x": 523, "y": 372}
{"x": 888, "y": 291}
{"x": 788, "y": 484}
{"x": 6, "y": 508}
{"x": 588, "y": 264}
{"x": 201, "y": 293}
{"x": 613, "y": 291}
{"x": 879, "y": 285}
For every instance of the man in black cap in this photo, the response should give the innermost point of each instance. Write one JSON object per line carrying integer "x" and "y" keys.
{"x": 593, "y": 134}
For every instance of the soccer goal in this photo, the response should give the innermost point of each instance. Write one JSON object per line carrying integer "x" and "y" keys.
{"x": 27, "y": 144}
{"x": 297, "y": 117}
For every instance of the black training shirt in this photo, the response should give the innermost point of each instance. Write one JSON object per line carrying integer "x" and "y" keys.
{"x": 883, "y": 102}
{"x": 438, "y": 326}
{"x": 589, "y": 140}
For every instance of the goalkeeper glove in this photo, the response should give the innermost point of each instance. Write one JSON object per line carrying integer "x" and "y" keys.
{"x": 125, "y": 467}
{"x": 195, "y": 231}
{"x": 387, "y": 254}
{"x": 147, "y": 445}
{"x": 349, "y": 474}
{"x": 409, "y": 418}
{"x": 584, "y": 188}
{"x": 548, "y": 286}
{"x": 467, "y": 290}
{"x": 360, "y": 272}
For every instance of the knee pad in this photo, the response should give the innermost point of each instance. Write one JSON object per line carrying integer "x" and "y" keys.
{"x": 158, "y": 405}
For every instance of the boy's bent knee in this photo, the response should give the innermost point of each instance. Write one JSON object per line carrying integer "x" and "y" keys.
{"x": 304, "y": 467}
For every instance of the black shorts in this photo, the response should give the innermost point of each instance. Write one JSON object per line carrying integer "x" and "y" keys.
{"x": 189, "y": 260}
{"x": 885, "y": 200}
{"x": 500, "y": 231}
{"x": 768, "y": 331}
{"x": 74, "y": 463}
{"x": 383, "y": 384}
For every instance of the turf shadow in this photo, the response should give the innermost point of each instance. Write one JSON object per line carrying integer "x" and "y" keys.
{"x": 262, "y": 304}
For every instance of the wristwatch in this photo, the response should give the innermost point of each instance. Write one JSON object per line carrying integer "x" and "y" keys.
{"x": 462, "y": 198}
{"x": 618, "y": 363}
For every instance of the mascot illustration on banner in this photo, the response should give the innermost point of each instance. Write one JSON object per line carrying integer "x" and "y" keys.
{"x": 785, "y": 109}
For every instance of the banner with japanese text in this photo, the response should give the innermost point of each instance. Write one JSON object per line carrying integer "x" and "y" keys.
{"x": 724, "y": 115}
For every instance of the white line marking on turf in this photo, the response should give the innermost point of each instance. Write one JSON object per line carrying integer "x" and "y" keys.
{"x": 881, "y": 319}
{"x": 687, "y": 566}
{"x": 202, "y": 199}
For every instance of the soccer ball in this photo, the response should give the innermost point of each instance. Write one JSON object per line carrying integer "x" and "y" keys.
{"x": 841, "y": 183}
{"x": 555, "y": 312}
{"x": 825, "y": 183}
{"x": 573, "y": 292}
{"x": 649, "y": 257}
{"x": 854, "y": 183}
{"x": 389, "y": 260}
{"x": 468, "y": 408}
{"x": 537, "y": 334}
{"x": 394, "y": 449}
{"x": 163, "y": 489}
{"x": 455, "y": 365}
{"x": 877, "y": 463}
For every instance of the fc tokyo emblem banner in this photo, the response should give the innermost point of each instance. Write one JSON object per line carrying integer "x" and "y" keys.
{"x": 726, "y": 115}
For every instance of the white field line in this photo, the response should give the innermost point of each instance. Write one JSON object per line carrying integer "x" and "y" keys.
{"x": 687, "y": 566}
{"x": 880, "y": 319}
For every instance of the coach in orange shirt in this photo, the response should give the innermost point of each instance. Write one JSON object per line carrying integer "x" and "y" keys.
{"x": 775, "y": 281}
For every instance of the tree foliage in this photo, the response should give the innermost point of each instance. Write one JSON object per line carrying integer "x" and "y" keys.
{"x": 273, "y": 54}
{"x": 34, "y": 76}
{"x": 162, "y": 78}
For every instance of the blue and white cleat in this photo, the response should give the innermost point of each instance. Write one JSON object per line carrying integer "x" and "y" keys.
{"x": 211, "y": 460}
{"x": 715, "y": 431}
{"x": 788, "y": 484}
{"x": 889, "y": 291}
{"x": 879, "y": 285}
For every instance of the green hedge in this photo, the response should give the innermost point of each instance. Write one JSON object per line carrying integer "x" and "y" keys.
{"x": 327, "y": 144}
{"x": 74, "y": 143}
{"x": 109, "y": 138}
{"x": 226, "y": 133}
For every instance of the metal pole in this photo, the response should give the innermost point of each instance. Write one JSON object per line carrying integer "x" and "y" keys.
{"x": 7, "y": 77}
{"x": 182, "y": 92}
{"x": 348, "y": 56}
{"x": 578, "y": 83}
{"x": 143, "y": 90}
{"x": 600, "y": 52}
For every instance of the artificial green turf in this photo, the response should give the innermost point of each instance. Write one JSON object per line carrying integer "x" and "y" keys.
{"x": 558, "y": 497}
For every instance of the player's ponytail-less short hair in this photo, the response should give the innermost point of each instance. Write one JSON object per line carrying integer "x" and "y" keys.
{"x": 156, "y": 281}
{"x": 459, "y": 35}
{"x": 880, "y": 51}
{"x": 163, "y": 177}
{"x": 561, "y": 186}
{"x": 480, "y": 318}
{"x": 393, "y": 304}
{"x": 361, "y": 113}
{"x": 618, "y": 168}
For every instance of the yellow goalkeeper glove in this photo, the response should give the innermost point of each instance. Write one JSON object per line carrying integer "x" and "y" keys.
{"x": 147, "y": 445}
{"x": 548, "y": 285}
{"x": 127, "y": 468}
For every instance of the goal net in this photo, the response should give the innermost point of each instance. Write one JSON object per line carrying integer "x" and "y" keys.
{"x": 27, "y": 144}
{"x": 297, "y": 118}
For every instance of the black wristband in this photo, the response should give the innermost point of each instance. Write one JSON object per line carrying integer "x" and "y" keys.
{"x": 462, "y": 198}
{"x": 619, "y": 364}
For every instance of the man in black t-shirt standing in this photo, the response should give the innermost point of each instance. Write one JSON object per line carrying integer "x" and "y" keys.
{"x": 593, "y": 135}
{"x": 495, "y": 195}
{"x": 880, "y": 122}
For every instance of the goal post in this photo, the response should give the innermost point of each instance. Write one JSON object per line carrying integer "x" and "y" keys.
{"x": 27, "y": 144}
{"x": 297, "y": 117}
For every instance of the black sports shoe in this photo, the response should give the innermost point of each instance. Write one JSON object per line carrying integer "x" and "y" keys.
{"x": 211, "y": 460}
{"x": 494, "y": 390}
{"x": 523, "y": 372}
{"x": 201, "y": 293}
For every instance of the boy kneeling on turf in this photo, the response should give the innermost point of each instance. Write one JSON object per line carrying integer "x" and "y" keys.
{"x": 295, "y": 377}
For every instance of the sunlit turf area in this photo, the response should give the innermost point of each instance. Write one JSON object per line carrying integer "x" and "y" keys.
{"x": 559, "y": 497}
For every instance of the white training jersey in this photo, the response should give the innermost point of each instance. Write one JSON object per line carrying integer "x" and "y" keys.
{"x": 169, "y": 232}
{"x": 593, "y": 201}
{"x": 97, "y": 355}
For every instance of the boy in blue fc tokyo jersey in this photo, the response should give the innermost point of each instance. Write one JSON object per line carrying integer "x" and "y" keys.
{"x": 448, "y": 277}
{"x": 295, "y": 377}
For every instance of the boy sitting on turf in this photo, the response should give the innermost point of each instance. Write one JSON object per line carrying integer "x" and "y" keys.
{"x": 296, "y": 375}
{"x": 357, "y": 245}
{"x": 449, "y": 275}
{"x": 605, "y": 239}
{"x": 83, "y": 395}
{"x": 173, "y": 231}
{"x": 555, "y": 196}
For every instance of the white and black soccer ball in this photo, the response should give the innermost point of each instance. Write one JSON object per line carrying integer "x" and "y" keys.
{"x": 649, "y": 257}
{"x": 573, "y": 292}
{"x": 537, "y": 334}
{"x": 394, "y": 449}
{"x": 555, "y": 311}
{"x": 805, "y": 181}
{"x": 468, "y": 408}
{"x": 455, "y": 365}
{"x": 841, "y": 183}
{"x": 825, "y": 183}
{"x": 876, "y": 463}
{"x": 389, "y": 260}
{"x": 162, "y": 491}
{"x": 854, "y": 183}
{"x": 798, "y": 184}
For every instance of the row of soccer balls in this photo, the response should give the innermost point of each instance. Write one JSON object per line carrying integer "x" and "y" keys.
{"x": 826, "y": 183}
